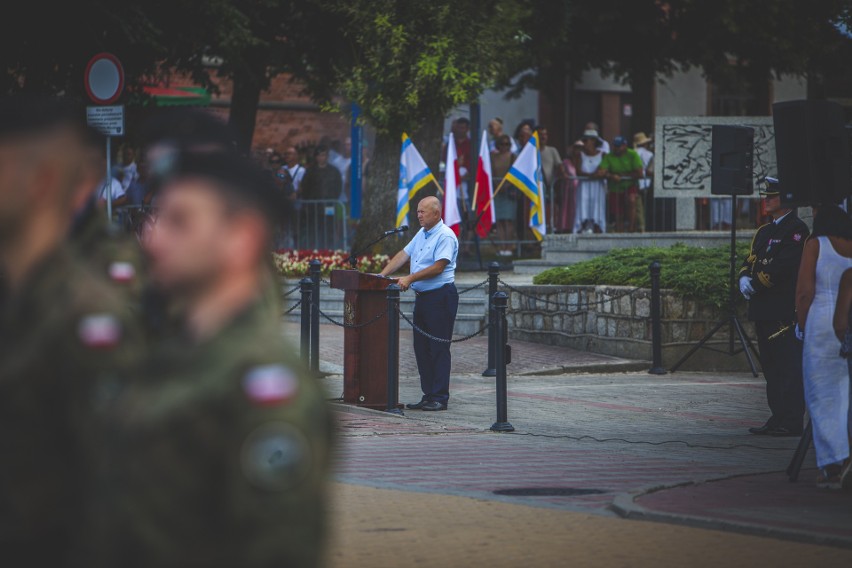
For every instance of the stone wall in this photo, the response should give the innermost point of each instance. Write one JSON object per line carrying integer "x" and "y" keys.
{"x": 616, "y": 320}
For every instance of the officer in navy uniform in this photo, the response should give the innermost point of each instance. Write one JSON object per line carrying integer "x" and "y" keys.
{"x": 768, "y": 281}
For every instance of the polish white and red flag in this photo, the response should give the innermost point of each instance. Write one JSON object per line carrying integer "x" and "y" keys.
{"x": 452, "y": 217}
{"x": 483, "y": 194}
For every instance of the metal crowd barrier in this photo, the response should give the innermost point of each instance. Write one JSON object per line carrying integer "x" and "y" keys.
{"x": 319, "y": 224}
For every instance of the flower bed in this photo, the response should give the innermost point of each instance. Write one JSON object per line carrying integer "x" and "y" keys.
{"x": 295, "y": 263}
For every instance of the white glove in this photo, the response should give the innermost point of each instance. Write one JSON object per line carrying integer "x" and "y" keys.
{"x": 746, "y": 289}
{"x": 800, "y": 335}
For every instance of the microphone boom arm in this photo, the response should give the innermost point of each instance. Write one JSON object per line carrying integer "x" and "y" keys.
{"x": 353, "y": 258}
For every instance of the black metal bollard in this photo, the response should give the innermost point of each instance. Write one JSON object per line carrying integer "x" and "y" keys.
{"x": 306, "y": 288}
{"x": 656, "y": 323}
{"x": 493, "y": 277}
{"x": 393, "y": 348}
{"x": 314, "y": 271}
{"x": 500, "y": 356}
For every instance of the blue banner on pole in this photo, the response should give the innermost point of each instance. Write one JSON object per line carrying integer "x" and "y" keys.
{"x": 355, "y": 172}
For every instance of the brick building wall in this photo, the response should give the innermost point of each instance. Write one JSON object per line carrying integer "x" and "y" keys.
{"x": 286, "y": 116}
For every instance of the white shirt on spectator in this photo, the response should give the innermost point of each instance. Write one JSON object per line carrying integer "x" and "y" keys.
{"x": 646, "y": 156}
{"x": 116, "y": 189}
{"x": 297, "y": 172}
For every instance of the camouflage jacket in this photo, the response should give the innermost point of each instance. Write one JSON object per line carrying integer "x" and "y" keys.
{"x": 221, "y": 454}
{"x": 63, "y": 336}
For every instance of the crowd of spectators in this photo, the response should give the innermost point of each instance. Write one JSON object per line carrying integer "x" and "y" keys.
{"x": 597, "y": 187}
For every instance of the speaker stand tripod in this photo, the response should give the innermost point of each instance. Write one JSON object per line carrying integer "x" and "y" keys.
{"x": 735, "y": 328}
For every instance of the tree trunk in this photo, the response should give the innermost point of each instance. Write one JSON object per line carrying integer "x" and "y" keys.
{"x": 642, "y": 81}
{"x": 428, "y": 140}
{"x": 379, "y": 204}
{"x": 378, "y": 209}
{"x": 244, "y": 101}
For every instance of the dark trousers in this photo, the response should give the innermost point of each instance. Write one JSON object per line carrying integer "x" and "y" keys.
{"x": 435, "y": 313}
{"x": 781, "y": 359}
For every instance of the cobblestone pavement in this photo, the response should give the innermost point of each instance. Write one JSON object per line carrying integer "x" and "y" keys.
{"x": 441, "y": 489}
{"x": 611, "y": 434}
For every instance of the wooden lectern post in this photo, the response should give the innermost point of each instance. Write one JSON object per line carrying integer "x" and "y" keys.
{"x": 365, "y": 350}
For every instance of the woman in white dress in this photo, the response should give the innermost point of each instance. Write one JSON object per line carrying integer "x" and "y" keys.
{"x": 827, "y": 254}
{"x": 590, "y": 215}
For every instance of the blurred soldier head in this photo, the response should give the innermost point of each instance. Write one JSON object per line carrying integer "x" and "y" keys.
{"x": 171, "y": 132}
{"x": 213, "y": 226}
{"x": 48, "y": 166}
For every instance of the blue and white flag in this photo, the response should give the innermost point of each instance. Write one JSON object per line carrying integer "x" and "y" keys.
{"x": 525, "y": 175}
{"x": 414, "y": 174}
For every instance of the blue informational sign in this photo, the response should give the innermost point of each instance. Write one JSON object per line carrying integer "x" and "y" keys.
{"x": 355, "y": 172}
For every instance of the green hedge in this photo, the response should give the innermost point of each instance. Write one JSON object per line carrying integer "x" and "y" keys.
{"x": 698, "y": 273}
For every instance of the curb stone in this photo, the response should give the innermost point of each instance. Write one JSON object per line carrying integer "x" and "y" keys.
{"x": 625, "y": 506}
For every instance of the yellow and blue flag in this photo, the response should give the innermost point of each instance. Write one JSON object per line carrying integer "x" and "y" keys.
{"x": 525, "y": 174}
{"x": 414, "y": 174}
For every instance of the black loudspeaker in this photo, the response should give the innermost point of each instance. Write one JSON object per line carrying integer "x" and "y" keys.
{"x": 733, "y": 159}
{"x": 812, "y": 150}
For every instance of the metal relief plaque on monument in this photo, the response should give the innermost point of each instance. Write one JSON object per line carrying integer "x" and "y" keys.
{"x": 683, "y": 152}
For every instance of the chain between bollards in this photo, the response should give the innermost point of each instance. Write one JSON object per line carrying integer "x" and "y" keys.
{"x": 501, "y": 358}
{"x": 656, "y": 323}
{"x": 393, "y": 349}
{"x": 306, "y": 288}
{"x": 314, "y": 271}
{"x": 493, "y": 281}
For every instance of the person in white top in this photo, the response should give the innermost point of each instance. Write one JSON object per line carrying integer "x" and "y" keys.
{"x": 293, "y": 167}
{"x": 115, "y": 188}
{"x": 827, "y": 255}
{"x": 604, "y": 145}
{"x": 495, "y": 130}
{"x": 590, "y": 214}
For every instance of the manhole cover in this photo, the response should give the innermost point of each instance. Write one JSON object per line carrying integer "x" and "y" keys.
{"x": 547, "y": 491}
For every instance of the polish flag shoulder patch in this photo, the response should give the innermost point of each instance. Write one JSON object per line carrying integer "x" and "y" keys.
{"x": 270, "y": 385}
{"x": 99, "y": 331}
{"x": 797, "y": 237}
{"x": 122, "y": 272}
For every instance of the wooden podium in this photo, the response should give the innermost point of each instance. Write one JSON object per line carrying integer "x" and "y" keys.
{"x": 365, "y": 350}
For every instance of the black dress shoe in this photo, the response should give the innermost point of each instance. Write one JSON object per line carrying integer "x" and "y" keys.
{"x": 432, "y": 405}
{"x": 781, "y": 432}
{"x": 416, "y": 406}
{"x": 761, "y": 430}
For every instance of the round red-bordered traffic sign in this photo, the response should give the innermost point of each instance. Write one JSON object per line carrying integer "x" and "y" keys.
{"x": 104, "y": 78}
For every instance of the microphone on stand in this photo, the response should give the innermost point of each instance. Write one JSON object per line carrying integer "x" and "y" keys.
{"x": 402, "y": 229}
{"x": 353, "y": 258}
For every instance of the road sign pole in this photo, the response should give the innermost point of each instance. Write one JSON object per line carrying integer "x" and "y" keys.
{"x": 108, "y": 178}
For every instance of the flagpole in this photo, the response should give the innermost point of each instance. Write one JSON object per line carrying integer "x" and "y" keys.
{"x": 475, "y": 192}
{"x": 487, "y": 205}
{"x": 440, "y": 189}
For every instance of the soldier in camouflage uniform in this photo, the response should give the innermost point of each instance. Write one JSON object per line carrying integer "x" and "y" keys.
{"x": 64, "y": 333}
{"x": 221, "y": 454}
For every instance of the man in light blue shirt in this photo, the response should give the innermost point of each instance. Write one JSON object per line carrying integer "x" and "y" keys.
{"x": 432, "y": 253}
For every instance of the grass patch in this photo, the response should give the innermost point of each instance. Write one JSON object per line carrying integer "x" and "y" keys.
{"x": 697, "y": 273}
